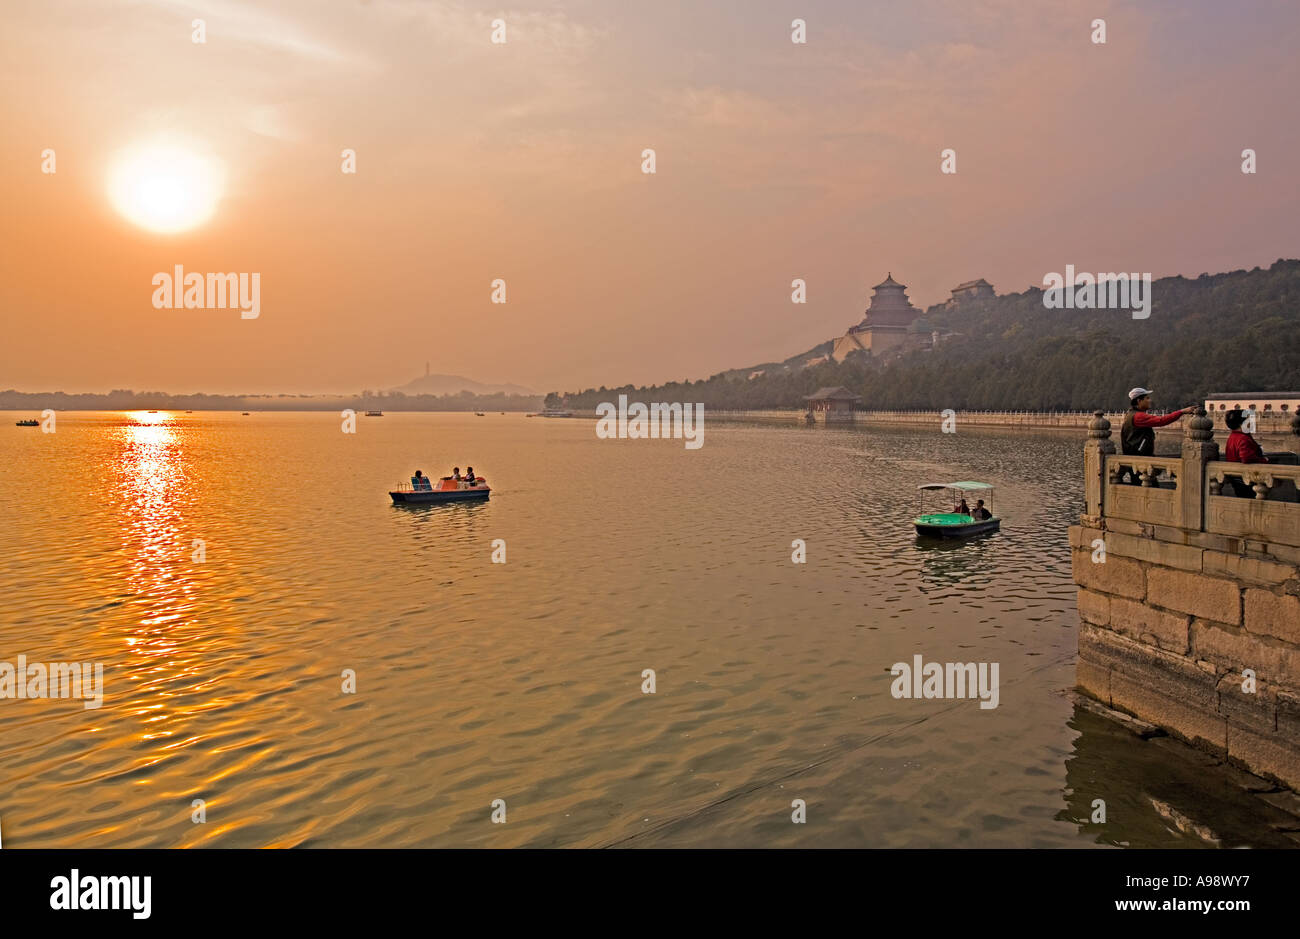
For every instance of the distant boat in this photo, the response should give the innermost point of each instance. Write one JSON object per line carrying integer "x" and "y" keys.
{"x": 189, "y": 412}
{"x": 153, "y": 412}
{"x": 954, "y": 524}
{"x": 479, "y": 414}
{"x": 245, "y": 414}
{"x": 444, "y": 490}
{"x": 27, "y": 423}
{"x": 374, "y": 414}
{"x": 552, "y": 412}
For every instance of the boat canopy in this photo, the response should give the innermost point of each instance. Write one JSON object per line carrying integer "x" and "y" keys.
{"x": 965, "y": 486}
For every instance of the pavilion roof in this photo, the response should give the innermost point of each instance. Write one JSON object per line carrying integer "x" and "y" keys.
{"x": 838, "y": 393}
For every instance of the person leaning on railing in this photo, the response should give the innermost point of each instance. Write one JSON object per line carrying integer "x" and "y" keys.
{"x": 1241, "y": 448}
{"x": 1137, "y": 437}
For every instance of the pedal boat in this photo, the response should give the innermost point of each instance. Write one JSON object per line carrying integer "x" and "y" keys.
{"x": 954, "y": 524}
{"x": 444, "y": 490}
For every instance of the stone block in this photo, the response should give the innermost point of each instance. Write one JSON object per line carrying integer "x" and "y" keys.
{"x": 1115, "y": 576}
{"x": 1201, "y": 596}
{"x": 1271, "y": 614}
{"x": 1253, "y": 710}
{"x": 1285, "y": 553}
{"x": 1287, "y": 714}
{"x": 1197, "y": 725}
{"x": 1138, "y": 621}
{"x": 1273, "y": 754}
{"x": 1125, "y": 527}
{"x": 1094, "y": 607}
{"x": 1161, "y": 688}
{"x": 1245, "y": 569}
{"x": 1154, "y": 551}
{"x": 1082, "y": 536}
{"x": 1213, "y": 542}
{"x": 1093, "y": 680}
{"x": 1165, "y": 533}
{"x": 1231, "y": 649}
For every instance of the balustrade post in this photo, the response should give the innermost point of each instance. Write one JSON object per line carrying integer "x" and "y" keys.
{"x": 1095, "y": 450}
{"x": 1199, "y": 448}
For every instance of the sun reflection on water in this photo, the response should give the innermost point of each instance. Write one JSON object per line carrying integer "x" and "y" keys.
{"x": 159, "y": 578}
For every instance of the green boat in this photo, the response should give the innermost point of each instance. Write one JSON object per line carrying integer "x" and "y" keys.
{"x": 955, "y": 524}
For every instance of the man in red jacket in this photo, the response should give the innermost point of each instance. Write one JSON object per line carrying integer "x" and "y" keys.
{"x": 1138, "y": 435}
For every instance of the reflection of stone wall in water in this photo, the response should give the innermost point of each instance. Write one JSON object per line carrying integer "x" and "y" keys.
{"x": 1159, "y": 793}
{"x": 1189, "y": 598}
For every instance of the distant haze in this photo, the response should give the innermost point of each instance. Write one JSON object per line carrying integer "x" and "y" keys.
{"x": 454, "y": 384}
{"x": 523, "y": 161}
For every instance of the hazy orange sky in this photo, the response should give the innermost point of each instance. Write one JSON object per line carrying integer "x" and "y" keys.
{"x": 523, "y": 161}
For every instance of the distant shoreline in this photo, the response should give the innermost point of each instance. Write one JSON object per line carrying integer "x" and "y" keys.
{"x": 1025, "y": 420}
{"x": 161, "y": 401}
{"x": 35, "y": 411}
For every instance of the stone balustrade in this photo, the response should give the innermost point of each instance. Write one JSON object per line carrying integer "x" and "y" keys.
{"x": 1188, "y": 570}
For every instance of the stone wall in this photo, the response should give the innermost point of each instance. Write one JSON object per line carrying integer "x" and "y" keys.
{"x": 1194, "y": 630}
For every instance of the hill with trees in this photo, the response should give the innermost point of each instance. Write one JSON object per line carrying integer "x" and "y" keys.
{"x": 1237, "y": 331}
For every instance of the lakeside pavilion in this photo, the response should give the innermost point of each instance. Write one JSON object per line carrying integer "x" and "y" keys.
{"x": 834, "y": 404}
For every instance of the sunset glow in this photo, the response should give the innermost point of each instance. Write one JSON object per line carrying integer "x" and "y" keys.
{"x": 164, "y": 187}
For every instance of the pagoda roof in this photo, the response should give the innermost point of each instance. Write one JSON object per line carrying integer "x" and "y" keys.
{"x": 837, "y": 393}
{"x": 888, "y": 282}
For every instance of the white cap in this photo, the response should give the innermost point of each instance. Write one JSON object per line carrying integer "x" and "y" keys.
{"x": 1138, "y": 393}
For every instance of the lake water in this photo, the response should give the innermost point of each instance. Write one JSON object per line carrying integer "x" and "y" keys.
{"x": 480, "y": 681}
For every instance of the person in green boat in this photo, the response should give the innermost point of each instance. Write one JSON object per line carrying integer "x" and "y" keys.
{"x": 980, "y": 513}
{"x": 961, "y": 508}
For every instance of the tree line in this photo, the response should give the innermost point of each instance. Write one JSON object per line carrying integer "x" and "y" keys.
{"x": 1225, "y": 332}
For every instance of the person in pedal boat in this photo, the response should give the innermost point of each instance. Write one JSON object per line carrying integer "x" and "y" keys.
{"x": 980, "y": 512}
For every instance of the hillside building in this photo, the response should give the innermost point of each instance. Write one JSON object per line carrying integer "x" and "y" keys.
{"x": 884, "y": 329}
{"x": 971, "y": 290}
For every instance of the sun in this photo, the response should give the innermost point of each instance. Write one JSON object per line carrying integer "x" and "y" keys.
{"x": 164, "y": 186}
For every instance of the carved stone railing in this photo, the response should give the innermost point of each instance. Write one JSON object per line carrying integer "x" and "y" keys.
{"x": 1195, "y": 491}
{"x": 1143, "y": 488}
{"x": 1272, "y": 515}
{"x": 1266, "y": 481}
{"x": 1148, "y": 471}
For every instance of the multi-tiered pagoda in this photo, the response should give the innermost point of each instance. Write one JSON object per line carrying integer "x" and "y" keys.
{"x": 885, "y": 325}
